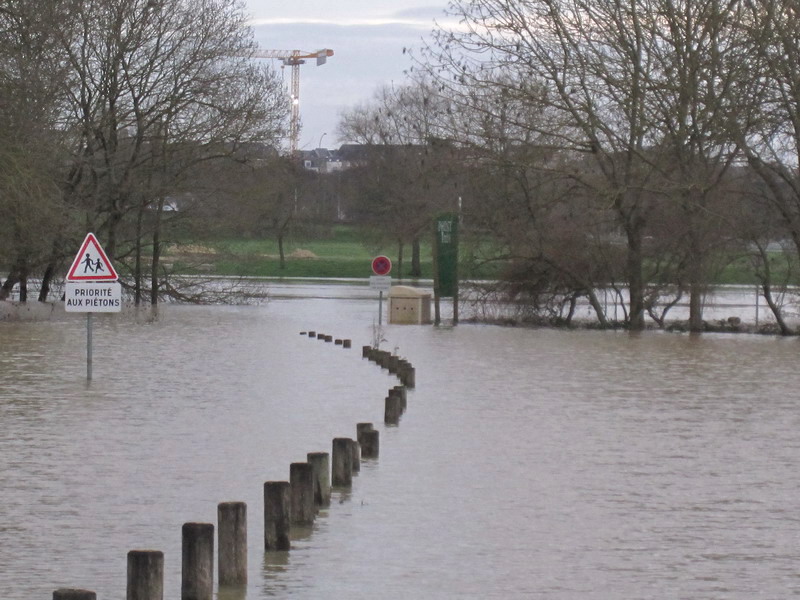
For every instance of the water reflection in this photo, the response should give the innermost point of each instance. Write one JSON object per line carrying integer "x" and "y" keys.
{"x": 232, "y": 593}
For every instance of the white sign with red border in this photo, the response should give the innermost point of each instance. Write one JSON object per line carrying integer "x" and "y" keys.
{"x": 91, "y": 263}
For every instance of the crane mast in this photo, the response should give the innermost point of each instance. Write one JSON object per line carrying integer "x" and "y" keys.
{"x": 293, "y": 59}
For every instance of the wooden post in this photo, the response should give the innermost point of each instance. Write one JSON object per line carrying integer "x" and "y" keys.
{"x": 365, "y": 351}
{"x": 301, "y": 477}
{"x": 232, "y": 543}
{"x": 337, "y": 342}
{"x": 312, "y": 334}
{"x": 347, "y": 343}
{"x": 392, "y": 410}
{"x": 360, "y": 429}
{"x": 400, "y": 392}
{"x": 370, "y": 444}
{"x": 355, "y": 447}
{"x": 277, "y": 515}
{"x": 407, "y": 375}
{"x": 145, "y": 575}
{"x": 197, "y": 561}
{"x": 73, "y": 594}
{"x": 392, "y": 363}
{"x": 320, "y": 462}
{"x": 342, "y": 458}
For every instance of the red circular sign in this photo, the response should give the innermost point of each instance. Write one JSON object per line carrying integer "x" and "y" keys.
{"x": 381, "y": 265}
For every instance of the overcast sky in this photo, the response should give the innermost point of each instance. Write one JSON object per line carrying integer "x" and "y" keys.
{"x": 367, "y": 37}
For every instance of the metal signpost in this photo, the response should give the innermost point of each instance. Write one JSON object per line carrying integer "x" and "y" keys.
{"x": 92, "y": 286}
{"x": 446, "y": 262}
{"x": 381, "y": 266}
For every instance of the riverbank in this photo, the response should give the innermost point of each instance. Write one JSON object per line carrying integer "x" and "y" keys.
{"x": 730, "y": 325}
{"x": 728, "y": 309}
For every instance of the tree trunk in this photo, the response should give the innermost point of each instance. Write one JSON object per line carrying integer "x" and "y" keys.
{"x": 49, "y": 272}
{"x": 281, "y": 252}
{"x": 766, "y": 287}
{"x": 400, "y": 247}
{"x": 23, "y": 286}
{"x": 696, "y": 276}
{"x": 635, "y": 278}
{"x": 156, "y": 253}
{"x": 44, "y": 290}
{"x": 8, "y": 284}
{"x": 114, "y": 219}
{"x": 595, "y": 302}
{"x": 416, "y": 265}
{"x": 137, "y": 268}
{"x": 776, "y": 310}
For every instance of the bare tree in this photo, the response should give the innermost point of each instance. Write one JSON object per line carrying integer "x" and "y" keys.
{"x": 410, "y": 170}
{"x": 155, "y": 87}
{"x": 772, "y": 141}
{"x": 645, "y": 95}
{"x": 30, "y": 76}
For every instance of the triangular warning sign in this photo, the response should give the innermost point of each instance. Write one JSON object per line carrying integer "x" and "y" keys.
{"x": 91, "y": 263}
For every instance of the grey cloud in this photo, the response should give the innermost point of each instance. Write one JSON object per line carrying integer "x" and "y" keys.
{"x": 422, "y": 13}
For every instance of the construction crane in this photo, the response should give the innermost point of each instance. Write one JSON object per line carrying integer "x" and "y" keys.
{"x": 295, "y": 58}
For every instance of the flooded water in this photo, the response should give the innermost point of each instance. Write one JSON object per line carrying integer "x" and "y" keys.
{"x": 530, "y": 463}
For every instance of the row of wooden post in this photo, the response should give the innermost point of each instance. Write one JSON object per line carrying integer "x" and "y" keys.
{"x": 324, "y": 337}
{"x": 394, "y": 364}
{"x": 286, "y": 503}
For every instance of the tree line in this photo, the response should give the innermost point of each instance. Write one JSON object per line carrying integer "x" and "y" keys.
{"x": 110, "y": 108}
{"x": 636, "y": 146}
{"x": 630, "y": 146}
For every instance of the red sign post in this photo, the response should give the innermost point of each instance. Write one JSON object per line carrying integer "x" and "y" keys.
{"x": 381, "y": 265}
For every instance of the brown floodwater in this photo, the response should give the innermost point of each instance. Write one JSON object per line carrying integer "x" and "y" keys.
{"x": 530, "y": 464}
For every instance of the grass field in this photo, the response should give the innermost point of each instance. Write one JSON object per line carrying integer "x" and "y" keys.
{"x": 347, "y": 252}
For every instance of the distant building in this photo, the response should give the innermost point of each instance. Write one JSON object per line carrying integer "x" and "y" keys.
{"x": 321, "y": 160}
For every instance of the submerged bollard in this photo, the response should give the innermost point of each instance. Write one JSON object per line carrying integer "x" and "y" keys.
{"x": 232, "y": 543}
{"x": 407, "y": 376}
{"x": 393, "y": 410}
{"x": 145, "y": 575}
{"x": 301, "y": 477}
{"x": 370, "y": 444}
{"x": 342, "y": 459}
{"x": 320, "y": 462}
{"x": 400, "y": 392}
{"x": 73, "y": 594}
{"x": 277, "y": 515}
{"x": 360, "y": 429}
{"x": 356, "y": 449}
{"x": 197, "y": 561}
